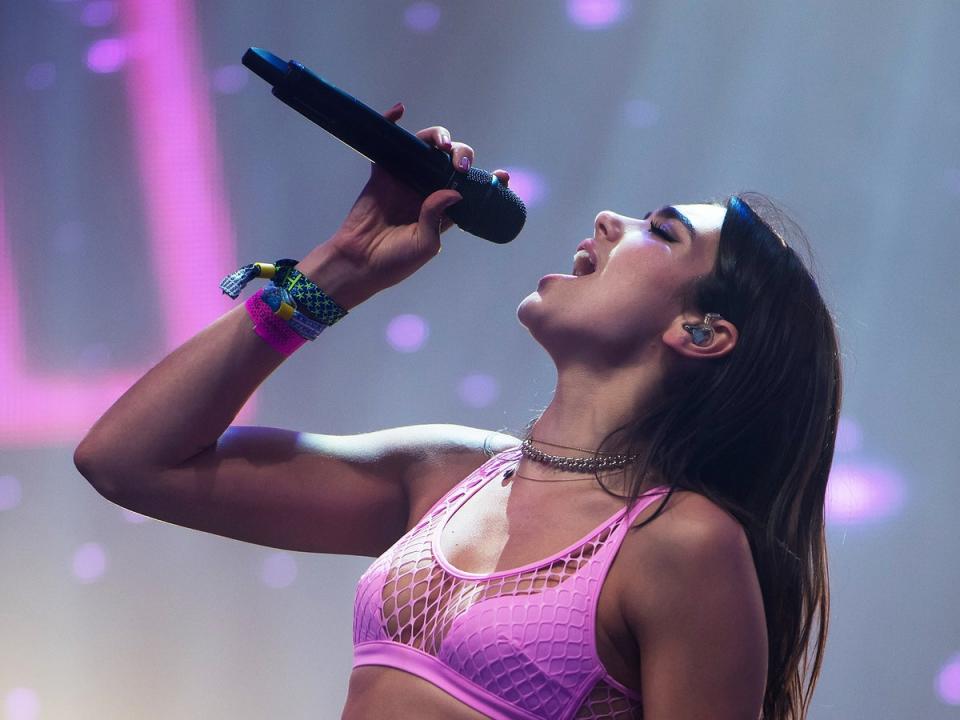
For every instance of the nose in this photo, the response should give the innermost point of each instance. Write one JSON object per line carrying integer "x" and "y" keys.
{"x": 608, "y": 225}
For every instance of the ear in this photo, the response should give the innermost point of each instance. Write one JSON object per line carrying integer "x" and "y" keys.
{"x": 722, "y": 342}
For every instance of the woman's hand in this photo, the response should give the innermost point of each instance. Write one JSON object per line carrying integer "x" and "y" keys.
{"x": 389, "y": 232}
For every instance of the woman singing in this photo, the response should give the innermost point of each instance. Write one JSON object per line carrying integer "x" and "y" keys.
{"x": 653, "y": 547}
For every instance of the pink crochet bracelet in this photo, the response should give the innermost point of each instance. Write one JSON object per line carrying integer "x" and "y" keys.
{"x": 275, "y": 330}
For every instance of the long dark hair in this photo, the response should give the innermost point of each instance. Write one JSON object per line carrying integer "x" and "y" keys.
{"x": 754, "y": 431}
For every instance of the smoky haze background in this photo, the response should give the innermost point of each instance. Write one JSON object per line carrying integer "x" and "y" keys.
{"x": 139, "y": 164}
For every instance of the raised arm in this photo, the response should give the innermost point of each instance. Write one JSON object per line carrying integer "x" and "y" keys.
{"x": 165, "y": 448}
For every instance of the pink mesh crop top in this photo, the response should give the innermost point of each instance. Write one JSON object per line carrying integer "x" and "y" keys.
{"x": 514, "y": 644}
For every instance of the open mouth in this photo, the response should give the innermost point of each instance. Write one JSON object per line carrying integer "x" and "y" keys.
{"x": 583, "y": 263}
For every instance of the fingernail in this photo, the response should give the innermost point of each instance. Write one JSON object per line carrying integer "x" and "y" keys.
{"x": 464, "y": 163}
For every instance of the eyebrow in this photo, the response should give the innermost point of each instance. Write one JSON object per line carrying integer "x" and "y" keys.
{"x": 670, "y": 212}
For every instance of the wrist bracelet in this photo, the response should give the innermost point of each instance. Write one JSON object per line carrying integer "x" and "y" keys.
{"x": 307, "y": 296}
{"x": 284, "y": 307}
{"x": 291, "y": 297}
{"x": 277, "y": 333}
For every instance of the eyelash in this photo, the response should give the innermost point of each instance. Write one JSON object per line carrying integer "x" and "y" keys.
{"x": 658, "y": 230}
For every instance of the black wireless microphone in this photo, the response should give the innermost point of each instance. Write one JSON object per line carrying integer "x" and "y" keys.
{"x": 488, "y": 209}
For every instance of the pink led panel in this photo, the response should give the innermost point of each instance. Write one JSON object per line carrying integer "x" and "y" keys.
{"x": 191, "y": 240}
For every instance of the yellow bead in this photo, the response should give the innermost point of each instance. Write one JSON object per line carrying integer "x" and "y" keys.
{"x": 285, "y": 311}
{"x": 267, "y": 270}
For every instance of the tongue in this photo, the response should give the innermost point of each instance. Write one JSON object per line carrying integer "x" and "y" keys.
{"x": 582, "y": 264}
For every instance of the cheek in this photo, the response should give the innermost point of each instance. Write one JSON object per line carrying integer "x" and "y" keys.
{"x": 641, "y": 284}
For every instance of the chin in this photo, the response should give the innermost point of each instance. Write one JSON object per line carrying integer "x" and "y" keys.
{"x": 530, "y": 310}
{"x": 537, "y": 319}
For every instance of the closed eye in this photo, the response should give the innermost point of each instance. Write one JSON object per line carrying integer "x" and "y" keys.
{"x": 658, "y": 230}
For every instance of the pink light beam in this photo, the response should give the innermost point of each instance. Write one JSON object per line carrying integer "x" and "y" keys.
{"x": 187, "y": 218}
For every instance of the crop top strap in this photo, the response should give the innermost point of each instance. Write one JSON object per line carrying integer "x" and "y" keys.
{"x": 655, "y": 494}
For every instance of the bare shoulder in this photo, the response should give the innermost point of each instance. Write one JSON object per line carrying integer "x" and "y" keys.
{"x": 692, "y": 527}
{"x": 691, "y": 598}
{"x": 445, "y": 454}
{"x": 693, "y": 543}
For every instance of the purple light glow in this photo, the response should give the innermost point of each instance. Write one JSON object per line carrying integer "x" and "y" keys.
{"x": 478, "y": 390}
{"x": 10, "y": 492}
{"x": 21, "y": 704}
{"x": 849, "y": 435}
{"x": 89, "y": 562}
{"x": 230, "y": 79}
{"x": 98, "y": 13}
{"x": 527, "y": 184}
{"x": 422, "y": 16}
{"x": 40, "y": 76}
{"x": 862, "y": 493}
{"x": 642, "y": 113}
{"x": 948, "y": 681}
{"x": 595, "y": 14}
{"x": 407, "y": 333}
{"x": 107, "y": 56}
{"x": 279, "y": 570}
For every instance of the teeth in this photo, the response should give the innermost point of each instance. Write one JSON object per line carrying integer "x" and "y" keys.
{"x": 582, "y": 263}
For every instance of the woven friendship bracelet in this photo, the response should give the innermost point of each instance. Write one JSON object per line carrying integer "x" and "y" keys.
{"x": 291, "y": 296}
{"x": 279, "y": 300}
{"x": 311, "y": 300}
{"x": 233, "y": 283}
{"x": 275, "y": 331}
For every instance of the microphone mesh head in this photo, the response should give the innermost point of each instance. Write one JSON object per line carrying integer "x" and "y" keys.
{"x": 489, "y": 209}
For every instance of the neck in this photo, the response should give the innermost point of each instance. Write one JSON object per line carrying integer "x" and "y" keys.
{"x": 587, "y": 406}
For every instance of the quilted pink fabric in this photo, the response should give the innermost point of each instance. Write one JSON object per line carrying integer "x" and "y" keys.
{"x": 513, "y": 644}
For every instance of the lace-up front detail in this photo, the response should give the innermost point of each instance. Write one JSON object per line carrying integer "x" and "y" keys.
{"x": 518, "y": 643}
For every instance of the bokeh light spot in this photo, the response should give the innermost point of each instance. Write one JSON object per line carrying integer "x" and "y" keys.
{"x": 527, "y": 184}
{"x": 407, "y": 333}
{"x": 862, "y": 493}
{"x": 279, "y": 570}
{"x": 641, "y": 113}
{"x": 230, "y": 79}
{"x": 595, "y": 14}
{"x": 40, "y": 76}
{"x": 98, "y": 13}
{"x": 479, "y": 390}
{"x": 849, "y": 435}
{"x": 21, "y": 704}
{"x": 10, "y": 492}
{"x": 89, "y": 562}
{"x": 107, "y": 55}
{"x": 422, "y": 16}
{"x": 948, "y": 681}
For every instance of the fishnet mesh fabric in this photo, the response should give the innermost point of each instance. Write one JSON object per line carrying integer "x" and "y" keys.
{"x": 525, "y": 636}
{"x": 607, "y": 701}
